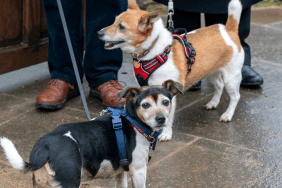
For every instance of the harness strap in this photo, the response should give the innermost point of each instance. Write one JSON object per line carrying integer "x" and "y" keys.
{"x": 189, "y": 51}
{"x": 144, "y": 69}
{"x": 117, "y": 125}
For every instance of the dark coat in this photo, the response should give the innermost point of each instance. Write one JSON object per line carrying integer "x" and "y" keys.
{"x": 206, "y": 6}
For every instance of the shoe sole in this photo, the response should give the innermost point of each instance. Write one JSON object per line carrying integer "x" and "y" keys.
{"x": 252, "y": 84}
{"x": 96, "y": 95}
{"x": 46, "y": 106}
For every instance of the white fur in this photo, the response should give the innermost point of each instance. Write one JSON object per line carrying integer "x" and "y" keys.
{"x": 235, "y": 8}
{"x": 138, "y": 167}
{"x": 156, "y": 107}
{"x": 169, "y": 71}
{"x": 164, "y": 40}
{"x": 68, "y": 134}
{"x": 230, "y": 76}
{"x": 12, "y": 154}
{"x": 107, "y": 171}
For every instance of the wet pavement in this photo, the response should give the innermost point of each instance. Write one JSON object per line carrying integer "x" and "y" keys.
{"x": 204, "y": 152}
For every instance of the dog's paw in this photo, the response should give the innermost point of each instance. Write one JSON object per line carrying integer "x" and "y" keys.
{"x": 212, "y": 104}
{"x": 226, "y": 117}
{"x": 166, "y": 134}
{"x": 165, "y": 137}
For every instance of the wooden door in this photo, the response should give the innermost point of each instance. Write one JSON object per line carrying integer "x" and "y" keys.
{"x": 23, "y": 34}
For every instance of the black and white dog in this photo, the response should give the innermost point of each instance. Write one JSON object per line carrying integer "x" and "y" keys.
{"x": 58, "y": 158}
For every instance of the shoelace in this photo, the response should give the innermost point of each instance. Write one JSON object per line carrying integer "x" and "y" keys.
{"x": 56, "y": 83}
{"x": 113, "y": 83}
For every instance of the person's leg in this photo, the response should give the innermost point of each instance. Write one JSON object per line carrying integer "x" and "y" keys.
{"x": 59, "y": 59}
{"x": 249, "y": 76}
{"x": 188, "y": 20}
{"x": 101, "y": 65}
{"x": 62, "y": 86}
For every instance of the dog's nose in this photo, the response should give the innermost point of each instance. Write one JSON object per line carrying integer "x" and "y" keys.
{"x": 160, "y": 118}
{"x": 101, "y": 33}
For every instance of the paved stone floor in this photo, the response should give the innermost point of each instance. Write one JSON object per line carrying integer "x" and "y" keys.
{"x": 203, "y": 152}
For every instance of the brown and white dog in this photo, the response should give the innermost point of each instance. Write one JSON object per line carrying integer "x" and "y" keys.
{"x": 219, "y": 58}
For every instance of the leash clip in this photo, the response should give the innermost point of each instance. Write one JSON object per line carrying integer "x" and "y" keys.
{"x": 170, "y": 12}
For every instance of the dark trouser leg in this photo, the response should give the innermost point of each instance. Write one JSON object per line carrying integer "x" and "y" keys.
{"x": 188, "y": 20}
{"x": 101, "y": 65}
{"x": 59, "y": 60}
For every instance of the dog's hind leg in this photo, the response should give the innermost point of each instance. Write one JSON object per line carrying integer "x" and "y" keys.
{"x": 121, "y": 180}
{"x": 232, "y": 85}
{"x": 216, "y": 80}
{"x": 167, "y": 131}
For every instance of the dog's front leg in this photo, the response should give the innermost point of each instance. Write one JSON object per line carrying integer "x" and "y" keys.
{"x": 139, "y": 177}
{"x": 167, "y": 130}
{"x": 121, "y": 180}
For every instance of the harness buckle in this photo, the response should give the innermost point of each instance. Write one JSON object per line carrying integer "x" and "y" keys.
{"x": 152, "y": 140}
{"x": 117, "y": 124}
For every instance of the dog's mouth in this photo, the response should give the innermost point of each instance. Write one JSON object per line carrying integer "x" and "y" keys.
{"x": 160, "y": 125}
{"x": 112, "y": 44}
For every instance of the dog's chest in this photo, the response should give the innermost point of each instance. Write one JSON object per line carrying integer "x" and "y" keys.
{"x": 164, "y": 72}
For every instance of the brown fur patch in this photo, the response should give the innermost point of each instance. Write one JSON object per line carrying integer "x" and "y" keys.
{"x": 232, "y": 29}
{"x": 179, "y": 60}
{"x": 212, "y": 54}
{"x": 132, "y": 5}
{"x": 43, "y": 177}
{"x": 130, "y": 19}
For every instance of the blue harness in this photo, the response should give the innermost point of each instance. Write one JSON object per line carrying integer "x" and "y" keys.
{"x": 117, "y": 126}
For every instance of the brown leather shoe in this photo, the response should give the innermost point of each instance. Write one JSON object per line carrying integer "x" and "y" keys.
{"x": 56, "y": 94}
{"x": 107, "y": 92}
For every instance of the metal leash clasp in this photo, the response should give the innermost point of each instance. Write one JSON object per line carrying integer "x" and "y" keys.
{"x": 170, "y": 12}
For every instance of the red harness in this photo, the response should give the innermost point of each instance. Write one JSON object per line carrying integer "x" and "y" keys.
{"x": 144, "y": 69}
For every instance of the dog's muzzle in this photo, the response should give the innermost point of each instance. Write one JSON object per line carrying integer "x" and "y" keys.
{"x": 160, "y": 119}
{"x": 101, "y": 33}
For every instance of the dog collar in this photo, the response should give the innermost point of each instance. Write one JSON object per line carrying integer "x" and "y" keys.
{"x": 141, "y": 55}
{"x": 144, "y": 69}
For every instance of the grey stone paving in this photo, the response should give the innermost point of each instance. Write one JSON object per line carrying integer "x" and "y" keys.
{"x": 203, "y": 152}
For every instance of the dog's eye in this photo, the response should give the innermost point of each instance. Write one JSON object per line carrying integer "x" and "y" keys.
{"x": 121, "y": 27}
{"x": 165, "y": 102}
{"x": 145, "y": 105}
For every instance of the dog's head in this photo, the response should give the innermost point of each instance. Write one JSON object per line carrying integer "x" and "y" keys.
{"x": 151, "y": 104}
{"x": 130, "y": 29}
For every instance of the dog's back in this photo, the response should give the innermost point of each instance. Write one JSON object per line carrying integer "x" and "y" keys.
{"x": 70, "y": 147}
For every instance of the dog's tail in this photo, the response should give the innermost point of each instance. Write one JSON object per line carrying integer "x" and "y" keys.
{"x": 17, "y": 161}
{"x": 234, "y": 15}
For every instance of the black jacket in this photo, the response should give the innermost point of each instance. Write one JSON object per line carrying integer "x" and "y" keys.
{"x": 206, "y": 6}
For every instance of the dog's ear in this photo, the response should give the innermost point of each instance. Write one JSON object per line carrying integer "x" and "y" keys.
{"x": 133, "y": 5}
{"x": 129, "y": 93}
{"x": 173, "y": 87}
{"x": 147, "y": 20}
